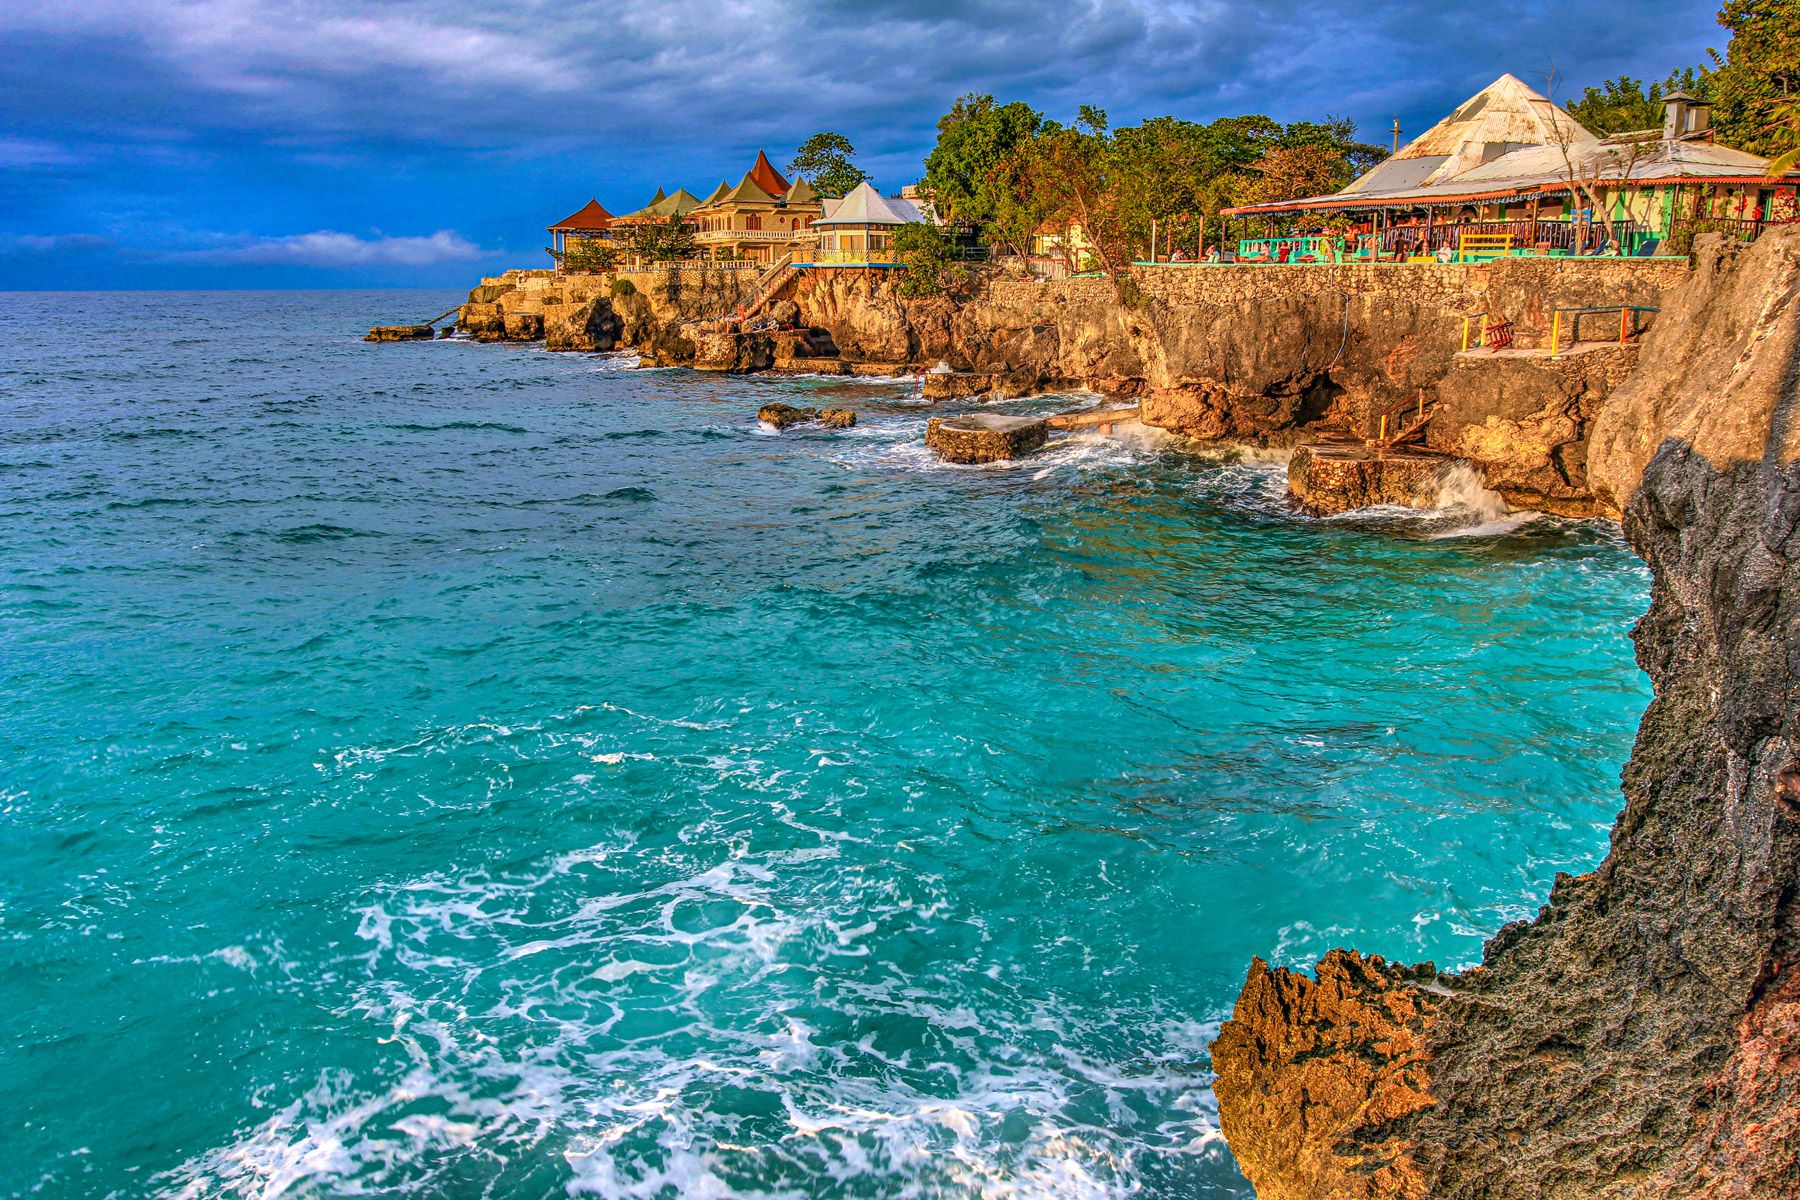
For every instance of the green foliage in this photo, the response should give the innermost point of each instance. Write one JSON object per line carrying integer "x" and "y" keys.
{"x": 823, "y": 160}
{"x": 925, "y": 252}
{"x": 589, "y": 254}
{"x": 1758, "y": 75}
{"x": 622, "y": 289}
{"x": 1624, "y": 104}
{"x": 664, "y": 242}
{"x": 972, "y": 173}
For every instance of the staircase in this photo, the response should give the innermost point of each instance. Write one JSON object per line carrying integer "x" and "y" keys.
{"x": 1406, "y": 422}
{"x": 768, "y": 286}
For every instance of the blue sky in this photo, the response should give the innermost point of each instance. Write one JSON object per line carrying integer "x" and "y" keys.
{"x": 335, "y": 143}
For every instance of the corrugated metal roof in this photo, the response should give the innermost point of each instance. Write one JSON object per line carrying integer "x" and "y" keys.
{"x": 1410, "y": 178}
{"x": 1505, "y": 115}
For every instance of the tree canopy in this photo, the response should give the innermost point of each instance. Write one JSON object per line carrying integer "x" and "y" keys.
{"x": 1759, "y": 75}
{"x": 823, "y": 160}
{"x": 1625, "y": 104}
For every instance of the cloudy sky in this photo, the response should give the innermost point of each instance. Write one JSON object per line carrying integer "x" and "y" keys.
{"x": 330, "y": 143}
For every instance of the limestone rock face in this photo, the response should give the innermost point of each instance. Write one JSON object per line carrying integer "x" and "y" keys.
{"x": 1696, "y": 381}
{"x": 729, "y": 350}
{"x": 837, "y": 418}
{"x": 985, "y": 437}
{"x": 1640, "y": 1039}
{"x": 1524, "y": 421}
{"x": 581, "y": 325}
{"x": 1324, "y": 480}
{"x": 1296, "y": 1055}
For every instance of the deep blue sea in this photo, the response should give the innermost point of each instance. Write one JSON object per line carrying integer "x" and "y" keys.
{"x": 457, "y": 771}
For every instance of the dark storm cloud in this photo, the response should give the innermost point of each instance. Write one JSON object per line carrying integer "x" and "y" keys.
{"x": 262, "y": 119}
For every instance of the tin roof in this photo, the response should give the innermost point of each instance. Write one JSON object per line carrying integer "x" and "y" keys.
{"x": 1436, "y": 169}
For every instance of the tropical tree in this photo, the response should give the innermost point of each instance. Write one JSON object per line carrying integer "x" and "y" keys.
{"x": 823, "y": 160}
{"x": 589, "y": 254}
{"x": 1625, "y": 104}
{"x": 925, "y": 252}
{"x": 1759, "y": 72}
{"x": 972, "y": 174}
{"x": 664, "y": 241}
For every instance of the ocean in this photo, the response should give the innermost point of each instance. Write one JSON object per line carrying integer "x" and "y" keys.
{"x": 454, "y": 770}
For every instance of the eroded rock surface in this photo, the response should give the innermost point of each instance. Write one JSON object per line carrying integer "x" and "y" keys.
{"x": 985, "y": 437}
{"x": 1323, "y": 480}
{"x": 1640, "y": 1039}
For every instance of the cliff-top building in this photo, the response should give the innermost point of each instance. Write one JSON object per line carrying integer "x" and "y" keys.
{"x": 1509, "y": 159}
{"x": 762, "y": 219}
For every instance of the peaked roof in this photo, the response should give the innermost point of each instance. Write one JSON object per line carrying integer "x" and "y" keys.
{"x": 767, "y": 177}
{"x": 663, "y": 207}
{"x": 802, "y": 193}
{"x": 746, "y": 192}
{"x": 1503, "y": 117}
{"x": 718, "y": 194}
{"x": 656, "y": 199}
{"x": 589, "y": 216}
{"x": 866, "y": 206}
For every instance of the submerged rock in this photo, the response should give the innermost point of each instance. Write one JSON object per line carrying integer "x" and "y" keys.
{"x": 783, "y": 415}
{"x": 1324, "y": 480}
{"x": 985, "y": 437}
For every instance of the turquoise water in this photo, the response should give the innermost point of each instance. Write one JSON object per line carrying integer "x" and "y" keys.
{"x": 455, "y": 770}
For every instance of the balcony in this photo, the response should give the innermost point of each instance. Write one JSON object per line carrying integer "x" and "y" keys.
{"x": 714, "y": 237}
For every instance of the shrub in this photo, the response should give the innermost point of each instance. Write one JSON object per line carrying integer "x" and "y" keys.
{"x": 622, "y": 288}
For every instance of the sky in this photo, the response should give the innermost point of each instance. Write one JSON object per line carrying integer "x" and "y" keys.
{"x": 340, "y": 143}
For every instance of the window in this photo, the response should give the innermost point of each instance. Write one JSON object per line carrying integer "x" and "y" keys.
{"x": 753, "y": 221}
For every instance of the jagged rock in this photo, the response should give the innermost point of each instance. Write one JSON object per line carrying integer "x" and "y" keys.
{"x": 1640, "y": 1039}
{"x": 985, "y": 437}
{"x": 1297, "y": 1052}
{"x": 733, "y": 352}
{"x": 523, "y": 326}
{"x": 483, "y": 320}
{"x": 957, "y": 385}
{"x": 784, "y": 311}
{"x": 398, "y": 333}
{"x": 581, "y": 325}
{"x": 1323, "y": 480}
{"x": 837, "y": 418}
{"x": 783, "y": 415}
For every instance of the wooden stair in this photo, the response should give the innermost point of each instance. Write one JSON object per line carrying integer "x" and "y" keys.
{"x": 768, "y": 286}
{"x": 1404, "y": 423}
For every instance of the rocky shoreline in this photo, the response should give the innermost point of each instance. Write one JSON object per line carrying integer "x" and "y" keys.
{"x": 1266, "y": 356}
{"x": 1639, "y": 1038}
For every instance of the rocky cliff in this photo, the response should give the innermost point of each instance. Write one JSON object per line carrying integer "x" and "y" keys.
{"x": 1641, "y": 1037}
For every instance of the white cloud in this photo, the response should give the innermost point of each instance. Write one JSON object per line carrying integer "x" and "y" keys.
{"x": 328, "y": 248}
{"x": 51, "y": 245}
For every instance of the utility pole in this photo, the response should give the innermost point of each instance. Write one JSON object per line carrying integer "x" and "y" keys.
{"x": 1396, "y": 133}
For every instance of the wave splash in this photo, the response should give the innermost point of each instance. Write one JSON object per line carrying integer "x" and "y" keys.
{"x": 715, "y": 1034}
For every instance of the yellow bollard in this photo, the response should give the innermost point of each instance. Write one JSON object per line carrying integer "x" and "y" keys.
{"x": 1555, "y": 331}
{"x": 1382, "y": 436}
{"x": 1465, "y": 333}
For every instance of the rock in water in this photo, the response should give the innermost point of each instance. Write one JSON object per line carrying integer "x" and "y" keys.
{"x": 1323, "y": 480}
{"x": 398, "y": 333}
{"x": 985, "y": 437}
{"x": 783, "y": 415}
{"x": 837, "y": 418}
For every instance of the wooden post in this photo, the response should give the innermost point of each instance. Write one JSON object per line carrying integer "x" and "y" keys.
{"x": 1624, "y": 318}
{"x": 1152, "y": 239}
